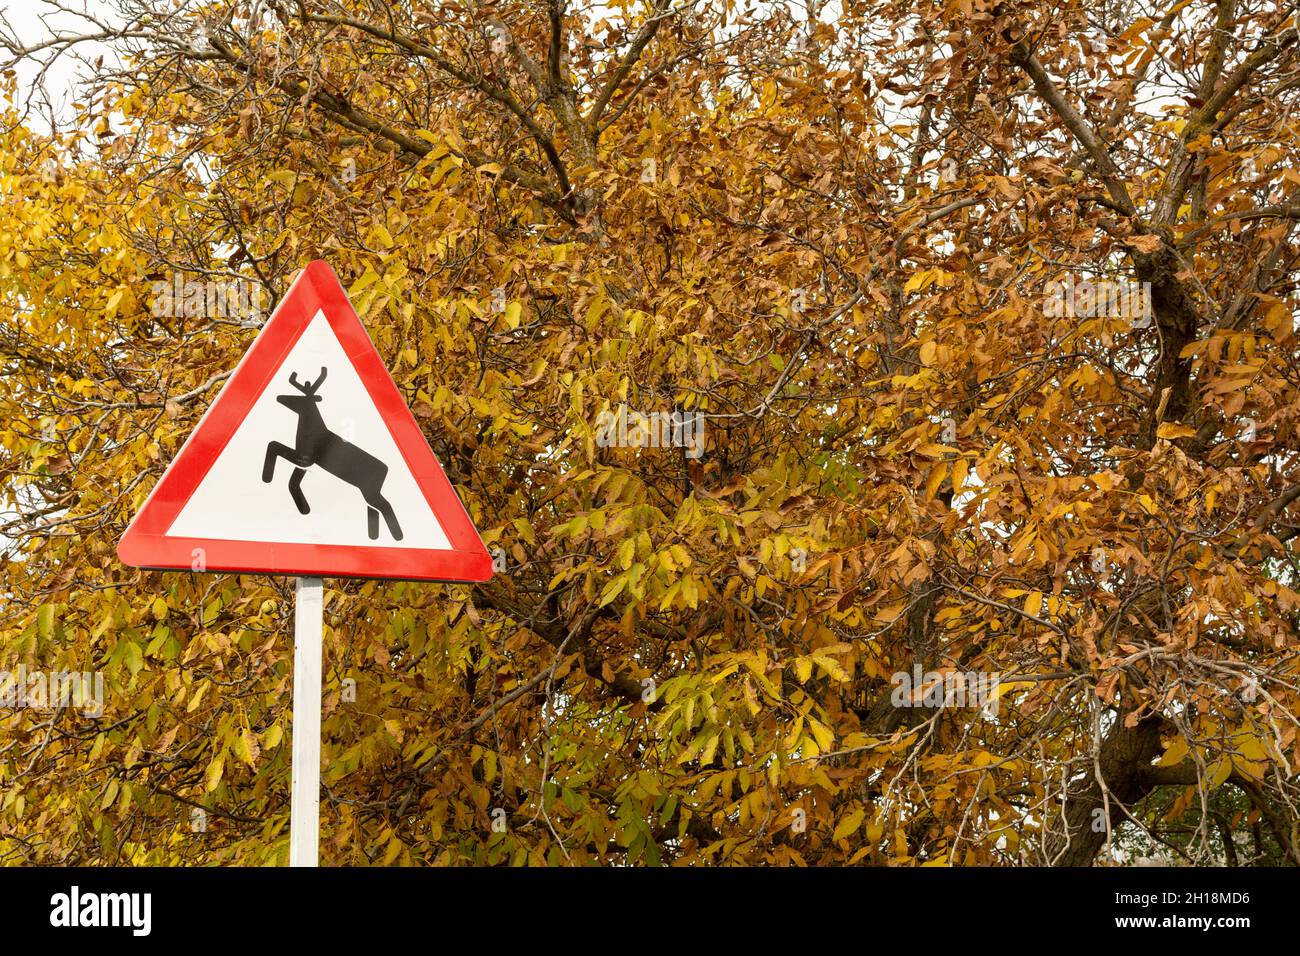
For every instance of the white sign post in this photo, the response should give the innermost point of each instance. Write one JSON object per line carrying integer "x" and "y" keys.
{"x": 304, "y": 806}
{"x": 311, "y": 418}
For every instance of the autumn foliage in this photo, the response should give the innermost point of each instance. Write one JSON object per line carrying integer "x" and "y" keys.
{"x": 841, "y": 235}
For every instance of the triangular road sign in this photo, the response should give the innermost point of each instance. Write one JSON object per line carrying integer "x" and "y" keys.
{"x": 309, "y": 463}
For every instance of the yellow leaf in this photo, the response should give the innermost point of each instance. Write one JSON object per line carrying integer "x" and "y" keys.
{"x": 1176, "y": 753}
{"x": 1034, "y": 603}
{"x": 215, "y": 771}
{"x": 937, "y": 474}
{"x": 1252, "y": 757}
{"x": 831, "y": 667}
{"x": 1219, "y": 771}
{"x": 1174, "y": 430}
{"x": 849, "y": 824}
{"x": 822, "y": 734}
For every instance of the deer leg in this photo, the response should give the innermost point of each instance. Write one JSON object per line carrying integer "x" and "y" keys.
{"x": 372, "y": 523}
{"x": 273, "y": 451}
{"x": 380, "y": 502}
{"x": 276, "y": 450}
{"x": 295, "y": 489}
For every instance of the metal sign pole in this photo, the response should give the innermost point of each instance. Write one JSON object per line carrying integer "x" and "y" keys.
{"x": 304, "y": 806}
{"x": 201, "y": 501}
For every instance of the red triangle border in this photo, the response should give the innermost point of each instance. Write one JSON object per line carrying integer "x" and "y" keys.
{"x": 146, "y": 543}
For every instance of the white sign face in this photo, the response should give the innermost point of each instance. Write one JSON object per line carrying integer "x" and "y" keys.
{"x": 335, "y": 473}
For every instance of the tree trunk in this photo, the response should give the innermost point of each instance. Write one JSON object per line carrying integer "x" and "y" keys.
{"x": 1080, "y": 831}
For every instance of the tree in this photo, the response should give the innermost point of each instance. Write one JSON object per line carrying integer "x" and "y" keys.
{"x": 988, "y": 314}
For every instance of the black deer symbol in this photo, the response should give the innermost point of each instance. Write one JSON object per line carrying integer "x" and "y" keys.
{"x": 315, "y": 444}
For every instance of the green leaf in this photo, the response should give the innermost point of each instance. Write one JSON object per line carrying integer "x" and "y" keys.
{"x": 133, "y": 657}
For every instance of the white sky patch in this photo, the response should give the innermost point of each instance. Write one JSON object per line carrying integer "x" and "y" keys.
{"x": 31, "y": 22}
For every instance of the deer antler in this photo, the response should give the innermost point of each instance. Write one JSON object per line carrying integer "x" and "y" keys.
{"x": 307, "y": 389}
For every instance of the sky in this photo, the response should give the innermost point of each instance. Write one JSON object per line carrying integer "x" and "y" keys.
{"x": 32, "y": 21}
